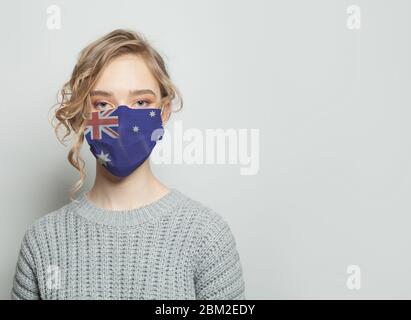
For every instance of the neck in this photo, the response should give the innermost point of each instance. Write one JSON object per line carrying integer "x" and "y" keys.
{"x": 138, "y": 189}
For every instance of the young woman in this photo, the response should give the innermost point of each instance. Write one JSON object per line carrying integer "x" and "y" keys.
{"x": 130, "y": 236}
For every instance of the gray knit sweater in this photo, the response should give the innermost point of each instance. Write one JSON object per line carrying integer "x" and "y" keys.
{"x": 173, "y": 248}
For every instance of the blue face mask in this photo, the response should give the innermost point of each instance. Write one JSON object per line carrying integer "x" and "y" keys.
{"x": 122, "y": 138}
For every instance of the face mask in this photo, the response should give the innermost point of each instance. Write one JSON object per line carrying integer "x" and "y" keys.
{"x": 121, "y": 139}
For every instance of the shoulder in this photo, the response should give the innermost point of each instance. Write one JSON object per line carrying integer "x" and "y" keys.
{"x": 199, "y": 210}
{"x": 208, "y": 223}
{"x": 211, "y": 238}
{"x": 47, "y": 224}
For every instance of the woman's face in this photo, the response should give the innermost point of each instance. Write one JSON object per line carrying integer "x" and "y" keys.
{"x": 125, "y": 81}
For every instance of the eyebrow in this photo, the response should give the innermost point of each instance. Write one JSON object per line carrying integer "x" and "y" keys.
{"x": 131, "y": 92}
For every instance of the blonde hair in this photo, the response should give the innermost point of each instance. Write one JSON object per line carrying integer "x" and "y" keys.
{"x": 74, "y": 97}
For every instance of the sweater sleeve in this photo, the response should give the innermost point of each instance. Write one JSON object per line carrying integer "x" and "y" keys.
{"x": 218, "y": 273}
{"x": 25, "y": 285}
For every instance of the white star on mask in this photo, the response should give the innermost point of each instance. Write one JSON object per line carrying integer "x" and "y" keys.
{"x": 103, "y": 158}
{"x": 152, "y": 113}
{"x": 136, "y": 129}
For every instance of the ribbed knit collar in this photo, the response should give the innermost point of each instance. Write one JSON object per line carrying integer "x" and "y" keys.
{"x": 128, "y": 217}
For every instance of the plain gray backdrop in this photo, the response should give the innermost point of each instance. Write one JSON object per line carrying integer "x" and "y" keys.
{"x": 332, "y": 106}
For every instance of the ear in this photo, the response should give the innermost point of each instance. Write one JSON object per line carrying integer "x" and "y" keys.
{"x": 166, "y": 112}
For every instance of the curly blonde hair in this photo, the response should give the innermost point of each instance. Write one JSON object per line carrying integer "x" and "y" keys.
{"x": 74, "y": 100}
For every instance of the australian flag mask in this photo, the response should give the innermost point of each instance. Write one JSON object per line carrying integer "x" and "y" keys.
{"x": 122, "y": 138}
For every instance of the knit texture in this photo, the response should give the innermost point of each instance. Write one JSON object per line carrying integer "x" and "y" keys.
{"x": 172, "y": 248}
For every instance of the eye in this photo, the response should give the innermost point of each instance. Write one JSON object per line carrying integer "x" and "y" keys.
{"x": 101, "y": 105}
{"x": 143, "y": 103}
